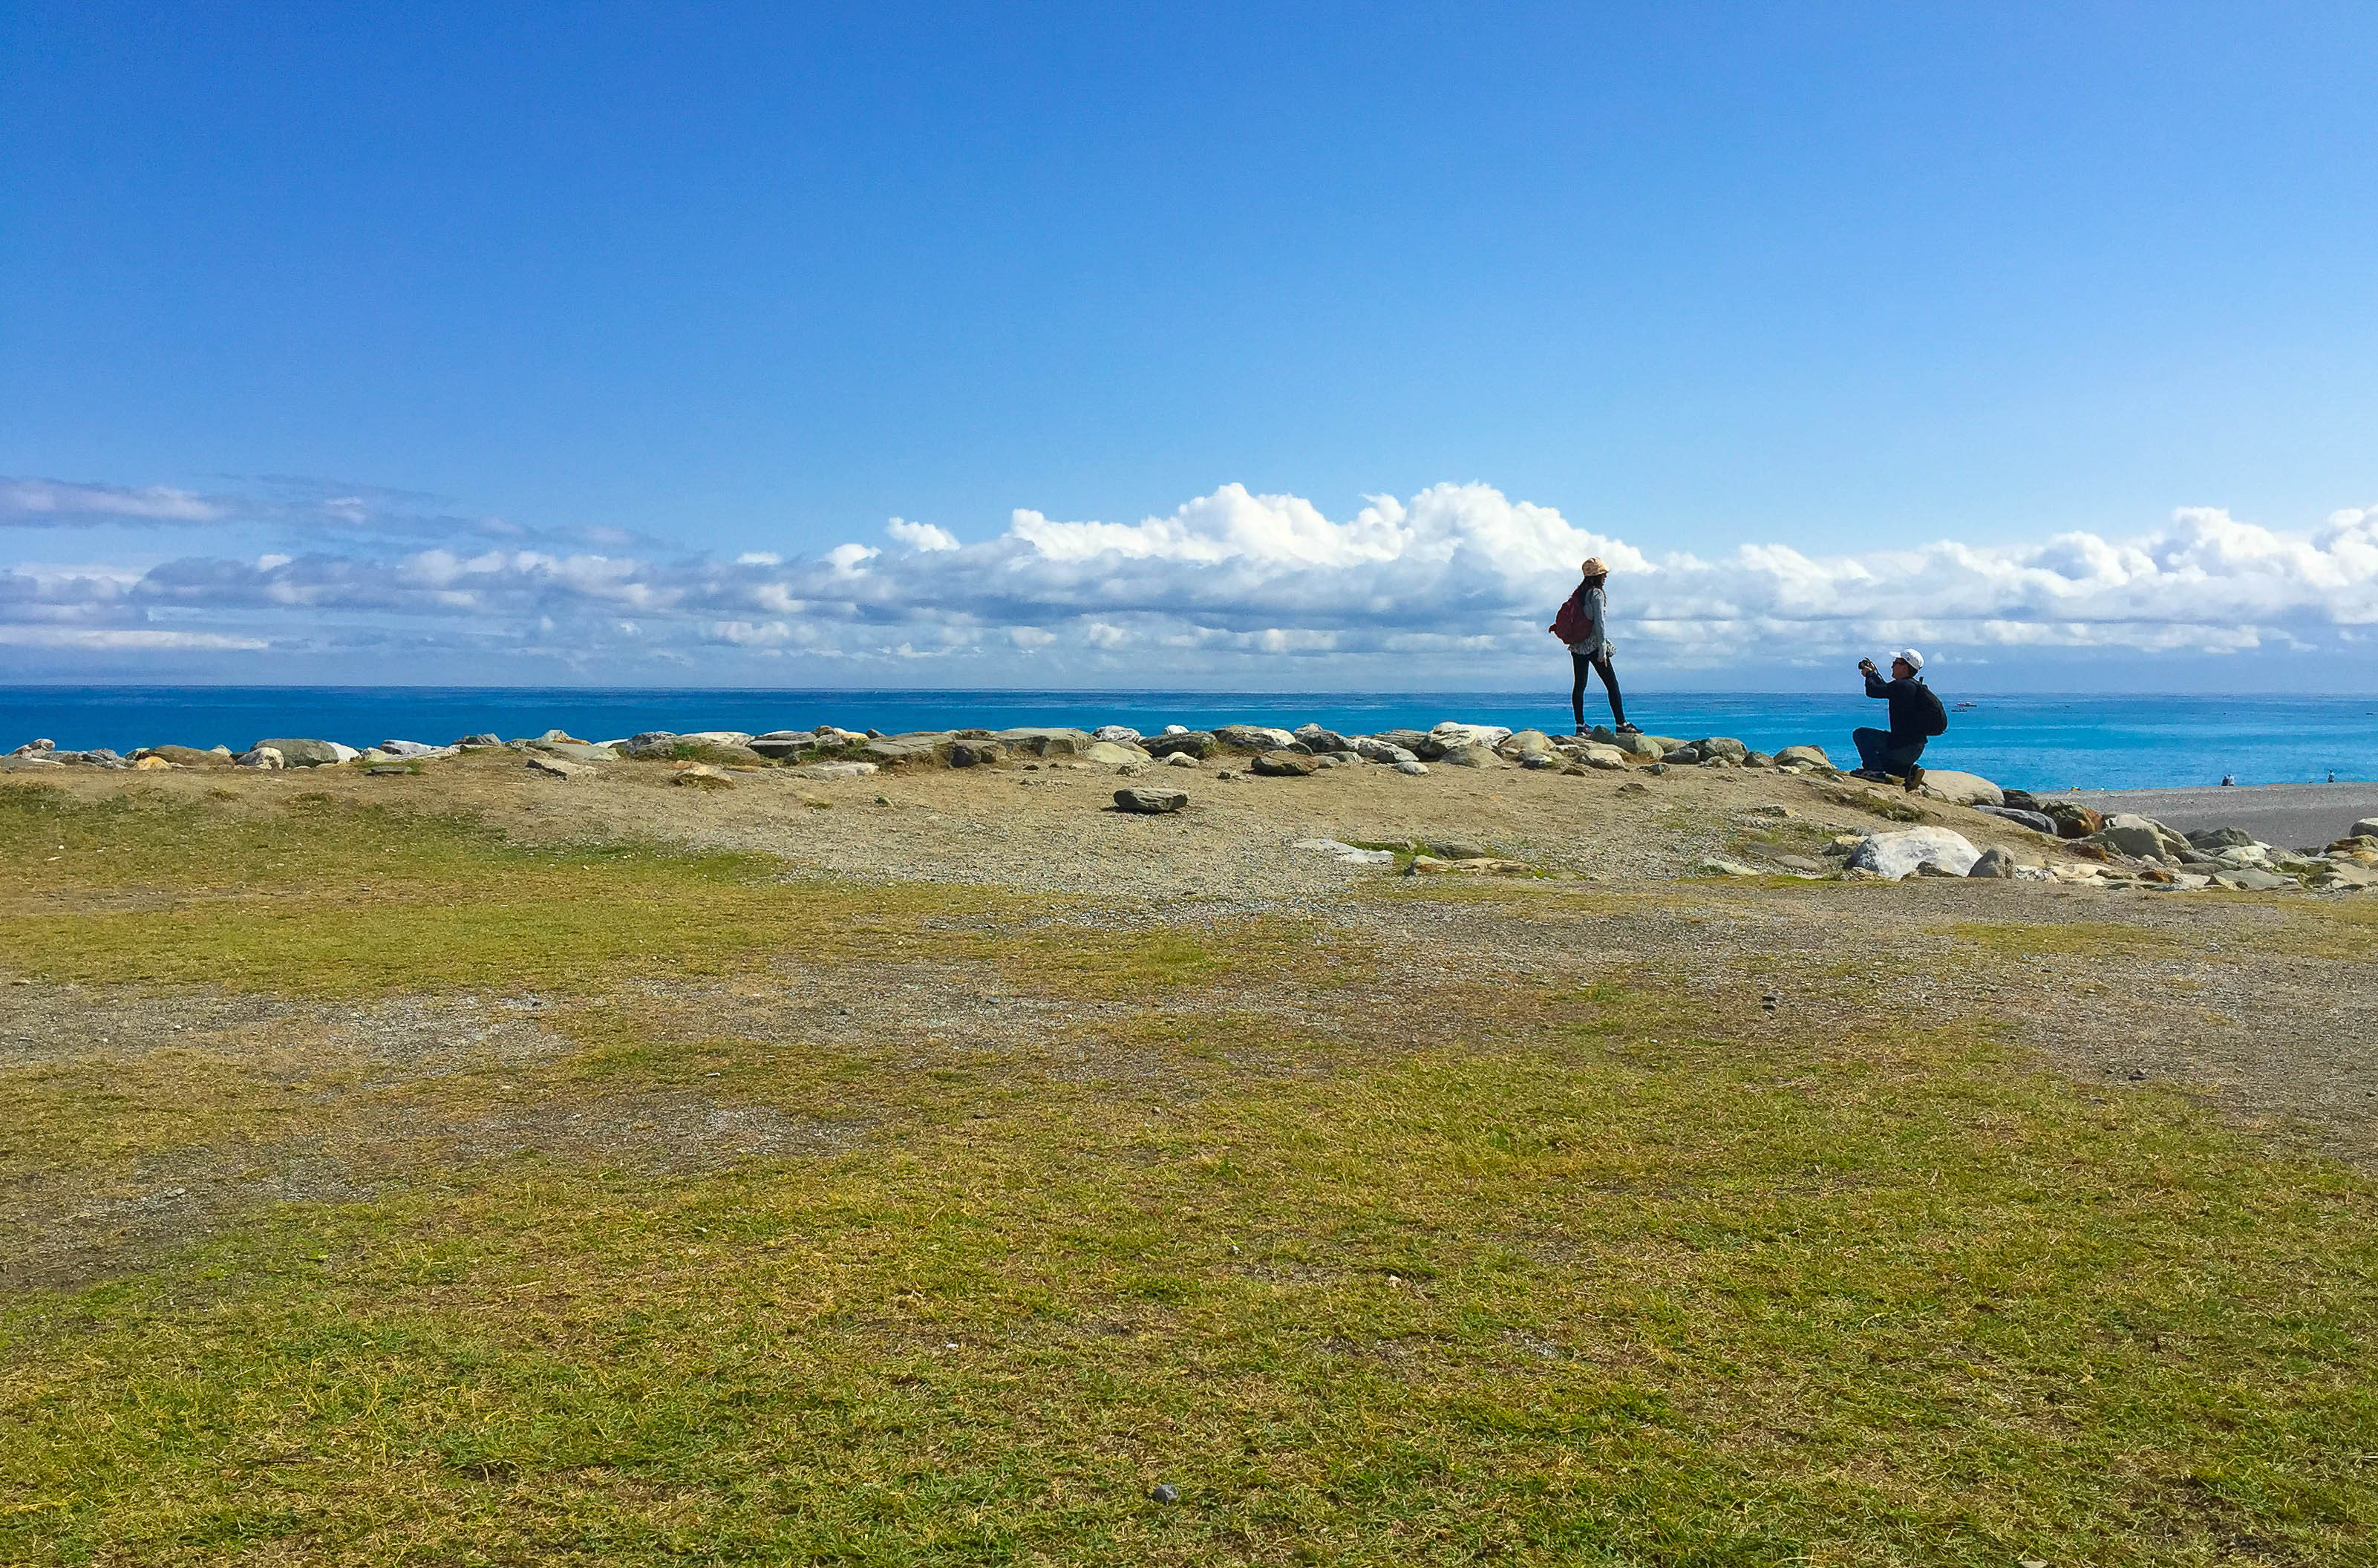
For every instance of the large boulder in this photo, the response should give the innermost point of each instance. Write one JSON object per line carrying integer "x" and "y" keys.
{"x": 1192, "y": 743}
{"x": 976, "y": 753}
{"x": 1252, "y": 737}
{"x": 1962, "y": 789}
{"x": 1115, "y": 732}
{"x": 2366, "y": 828}
{"x": 1803, "y": 757}
{"x": 1607, "y": 758}
{"x": 2213, "y": 840}
{"x": 1320, "y": 738}
{"x": 1994, "y": 862}
{"x": 1045, "y": 740}
{"x": 578, "y": 750}
{"x": 1452, "y": 732}
{"x": 1642, "y": 747}
{"x": 2037, "y": 821}
{"x": 2072, "y": 820}
{"x": 1523, "y": 744}
{"x": 920, "y": 747}
{"x": 784, "y": 745}
{"x": 309, "y": 753}
{"x": 650, "y": 746}
{"x": 2127, "y": 833}
{"x": 1411, "y": 740}
{"x": 1892, "y": 856}
{"x": 1470, "y": 754}
{"x": 1286, "y": 764}
{"x": 1723, "y": 746}
{"x": 1373, "y": 748}
{"x": 185, "y": 756}
{"x": 1150, "y": 802}
{"x": 410, "y": 748}
{"x": 1114, "y": 754}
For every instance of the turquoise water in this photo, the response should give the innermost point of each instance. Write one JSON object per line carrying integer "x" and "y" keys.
{"x": 2038, "y": 742}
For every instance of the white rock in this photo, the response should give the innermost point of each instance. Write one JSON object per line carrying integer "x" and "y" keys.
{"x": 1346, "y": 852}
{"x": 1607, "y": 758}
{"x": 1415, "y": 768}
{"x": 728, "y": 737}
{"x": 263, "y": 756}
{"x": 345, "y": 753}
{"x": 415, "y": 749}
{"x": 1488, "y": 736}
{"x": 1176, "y": 729}
{"x": 833, "y": 770}
{"x": 1892, "y": 856}
{"x": 1114, "y": 732}
{"x": 1114, "y": 754}
{"x": 1181, "y": 759}
{"x": 1714, "y": 867}
{"x": 1371, "y": 749}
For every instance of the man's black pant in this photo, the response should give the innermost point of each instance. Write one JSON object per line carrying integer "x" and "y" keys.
{"x": 1581, "y": 666}
{"x": 1880, "y": 751}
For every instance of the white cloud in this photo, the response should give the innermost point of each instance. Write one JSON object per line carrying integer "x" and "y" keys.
{"x": 921, "y": 535}
{"x": 52, "y": 503}
{"x": 1452, "y": 586}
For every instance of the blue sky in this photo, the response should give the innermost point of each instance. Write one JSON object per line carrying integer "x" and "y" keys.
{"x": 501, "y": 330}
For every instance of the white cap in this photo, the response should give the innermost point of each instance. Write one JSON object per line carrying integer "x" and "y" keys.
{"x": 1915, "y": 660}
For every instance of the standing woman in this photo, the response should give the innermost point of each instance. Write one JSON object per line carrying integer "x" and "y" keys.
{"x": 1584, "y": 624}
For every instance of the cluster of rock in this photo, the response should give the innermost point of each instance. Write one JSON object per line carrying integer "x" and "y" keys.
{"x": 2119, "y": 848}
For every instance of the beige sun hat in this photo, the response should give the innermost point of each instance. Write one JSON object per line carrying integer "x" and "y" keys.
{"x": 1595, "y": 566}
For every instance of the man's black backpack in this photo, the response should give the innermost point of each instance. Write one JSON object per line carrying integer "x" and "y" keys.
{"x": 1935, "y": 717}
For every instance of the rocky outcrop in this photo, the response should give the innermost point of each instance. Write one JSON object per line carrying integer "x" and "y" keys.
{"x": 1804, "y": 756}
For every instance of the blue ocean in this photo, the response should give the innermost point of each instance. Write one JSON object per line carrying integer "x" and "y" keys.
{"x": 2038, "y": 742}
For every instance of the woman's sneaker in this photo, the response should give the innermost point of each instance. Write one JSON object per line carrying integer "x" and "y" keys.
{"x": 1626, "y": 728}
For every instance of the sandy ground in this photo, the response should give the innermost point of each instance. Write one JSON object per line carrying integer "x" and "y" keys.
{"x": 2297, "y": 816}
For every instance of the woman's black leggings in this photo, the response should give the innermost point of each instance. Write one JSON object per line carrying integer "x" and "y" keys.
{"x": 1582, "y": 666}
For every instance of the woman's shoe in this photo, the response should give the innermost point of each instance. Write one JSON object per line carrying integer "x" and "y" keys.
{"x": 1626, "y": 728}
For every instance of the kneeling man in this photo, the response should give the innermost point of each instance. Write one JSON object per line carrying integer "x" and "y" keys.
{"x": 1915, "y": 717}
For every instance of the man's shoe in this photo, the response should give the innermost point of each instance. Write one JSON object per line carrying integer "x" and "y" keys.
{"x": 1870, "y": 775}
{"x": 1915, "y": 777}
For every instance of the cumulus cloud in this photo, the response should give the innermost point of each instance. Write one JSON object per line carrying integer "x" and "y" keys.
{"x": 920, "y": 535}
{"x": 1450, "y": 586}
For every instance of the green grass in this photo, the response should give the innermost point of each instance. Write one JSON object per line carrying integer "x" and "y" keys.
{"x": 1473, "y": 1274}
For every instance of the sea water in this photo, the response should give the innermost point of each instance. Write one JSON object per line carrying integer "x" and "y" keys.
{"x": 2037, "y": 742}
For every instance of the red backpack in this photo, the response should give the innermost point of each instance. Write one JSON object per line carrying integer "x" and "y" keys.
{"x": 1569, "y": 624}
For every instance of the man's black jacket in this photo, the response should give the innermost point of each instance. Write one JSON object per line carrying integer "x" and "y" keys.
{"x": 1916, "y": 713}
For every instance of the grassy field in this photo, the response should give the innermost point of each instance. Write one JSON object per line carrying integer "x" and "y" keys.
{"x": 1530, "y": 1272}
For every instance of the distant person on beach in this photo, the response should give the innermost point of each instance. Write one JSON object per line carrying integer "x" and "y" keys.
{"x": 1584, "y": 624}
{"x": 1915, "y": 717}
